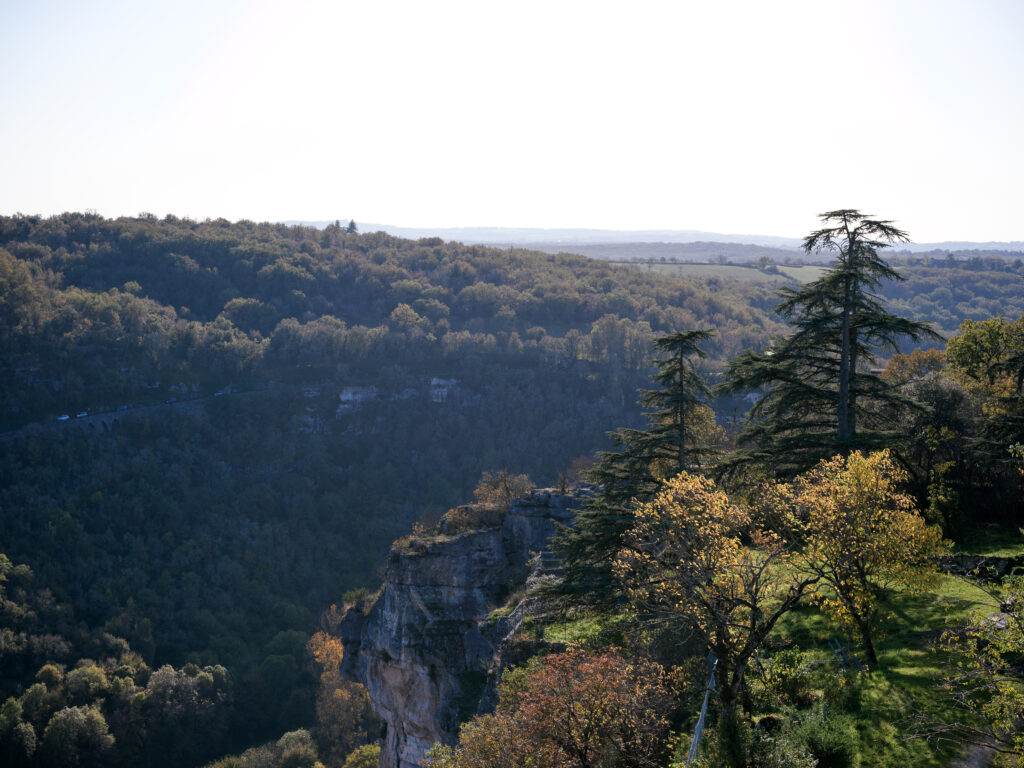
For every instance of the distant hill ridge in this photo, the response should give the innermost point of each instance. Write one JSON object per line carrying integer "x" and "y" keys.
{"x": 655, "y": 243}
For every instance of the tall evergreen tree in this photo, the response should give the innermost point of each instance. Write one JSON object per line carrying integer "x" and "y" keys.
{"x": 676, "y": 440}
{"x": 821, "y": 397}
{"x": 682, "y": 391}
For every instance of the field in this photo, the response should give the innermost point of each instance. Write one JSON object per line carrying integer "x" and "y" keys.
{"x": 803, "y": 273}
{"x": 780, "y": 275}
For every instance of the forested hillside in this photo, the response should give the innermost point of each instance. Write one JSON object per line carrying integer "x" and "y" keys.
{"x": 947, "y": 291}
{"x": 96, "y": 311}
{"x": 215, "y": 430}
{"x": 843, "y": 586}
{"x": 270, "y": 406}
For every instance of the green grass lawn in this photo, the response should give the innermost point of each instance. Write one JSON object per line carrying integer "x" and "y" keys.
{"x": 882, "y": 700}
{"x": 992, "y": 542}
{"x": 876, "y": 708}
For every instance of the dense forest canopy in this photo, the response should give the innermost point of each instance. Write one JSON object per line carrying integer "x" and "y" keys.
{"x": 213, "y": 430}
{"x": 97, "y": 309}
{"x": 269, "y": 407}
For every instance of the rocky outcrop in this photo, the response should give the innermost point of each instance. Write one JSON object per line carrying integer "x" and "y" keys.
{"x": 425, "y": 650}
{"x": 985, "y": 567}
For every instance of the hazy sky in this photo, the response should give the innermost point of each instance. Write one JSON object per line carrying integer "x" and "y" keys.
{"x": 741, "y": 117}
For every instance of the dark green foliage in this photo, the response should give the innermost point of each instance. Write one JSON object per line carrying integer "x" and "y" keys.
{"x": 956, "y": 447}
{"x": 471, "y": 687}
{"x": 673, "y": 441}
{"x": 945, "y": 292}
{"x": 819, "y": 395}
{"x": 200, "y": 530}
{"x": 735, "y": 739}
{"x": 96, "y": 311}
{"x": 832, "y": 742}
{"x": 682, "y": 391}
{"x": 107, "y": 710}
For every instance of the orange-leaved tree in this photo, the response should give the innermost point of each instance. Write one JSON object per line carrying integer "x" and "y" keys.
{"x": 577, "y": 709}
{"x": 343, "y": 711}
{"x": 501, "y": 487}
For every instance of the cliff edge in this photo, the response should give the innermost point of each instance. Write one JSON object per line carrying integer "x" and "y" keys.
{"x": 431, "y": 645}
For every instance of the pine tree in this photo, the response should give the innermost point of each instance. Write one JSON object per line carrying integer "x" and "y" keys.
{"x": 676, "y": 440}
{"x": 822, "y": 398}
{"x": 682, "y": 391}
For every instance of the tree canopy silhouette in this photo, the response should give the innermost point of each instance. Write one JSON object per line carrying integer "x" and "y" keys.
{"x": 820, "y": 396}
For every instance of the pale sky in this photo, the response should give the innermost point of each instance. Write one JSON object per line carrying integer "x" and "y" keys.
{"x": 735, "y": 117}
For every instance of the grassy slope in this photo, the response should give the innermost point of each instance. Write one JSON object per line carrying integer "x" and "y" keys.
{"x": 992, "y": 542}
{"x": 905, "y": 681}
{"x": 910, "y": 666}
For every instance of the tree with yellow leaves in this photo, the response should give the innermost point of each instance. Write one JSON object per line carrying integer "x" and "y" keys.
{"x": 861, "y": 536}
{"x": 695, "y": 559}
{"x": 343, "y": 711}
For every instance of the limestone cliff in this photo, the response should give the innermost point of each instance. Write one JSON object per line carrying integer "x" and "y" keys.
{"x": 425, "y": 650}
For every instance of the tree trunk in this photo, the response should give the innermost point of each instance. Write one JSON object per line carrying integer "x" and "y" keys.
{"x": 845, "y": 353}
{"x": 730, "y": 687}
{"x": 682, "y": 419}
{"x": 846, "y": 347}
{"x": 682, "y": 439}
{"x": 746, "y": 699}
{"x": 862, "y": 623}
{"x": 851, "y": 397}
{"x": 869, "y": 647}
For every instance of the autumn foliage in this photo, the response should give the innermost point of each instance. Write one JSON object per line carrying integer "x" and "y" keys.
{"x": 577, "y": 709}
{"x": 861, "y": 536}
{"x": 696, "y": 561}
{"x": 342, "y": 706}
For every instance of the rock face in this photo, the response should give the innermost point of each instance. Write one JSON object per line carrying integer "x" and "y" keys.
{"x": 425, "y": 650}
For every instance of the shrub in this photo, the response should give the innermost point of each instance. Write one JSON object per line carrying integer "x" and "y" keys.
{"x": 786, "y": 679}
{"x": 472, "y": 518}
{"x": 367, "y": 756}
{"x": 572, "y": 709}
{"x": 778, "y": 752}
{"x": 500, "y": 488}
{"x": 833, "y": 742}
